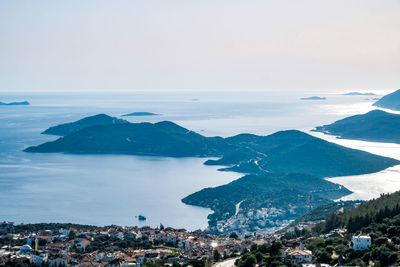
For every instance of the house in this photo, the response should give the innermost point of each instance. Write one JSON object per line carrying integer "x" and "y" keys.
{"x": 297, "y": 255}
{"x": 130, "y": 235}
{"x": 38, "y": 260}
{"x": 81, "y": 245}
{"x": 58, "y": 261}
{"x": 116, "y": 234}
{"x": 361, "y": 242}
{"x": 25, "y": 249}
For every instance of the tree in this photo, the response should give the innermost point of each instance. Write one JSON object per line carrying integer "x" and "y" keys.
{"x": 72, "y": 235}
{"x": 216, "y": 256}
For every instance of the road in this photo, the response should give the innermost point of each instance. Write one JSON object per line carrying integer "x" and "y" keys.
{"x": 227, "y": 263}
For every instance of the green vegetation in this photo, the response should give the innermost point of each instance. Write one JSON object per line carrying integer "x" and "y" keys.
{"x": 383, "y": 228}
{"x": 321, "y": 213}
{"x": 263, "y": 255}
{"x": 109, "y": 244}
{"x": 20, "y": 228}
{"x": 374, "y": 211}
{"x": 375, "y": 125}
{"x": 70, "y": 128}
{"x": 301, "y": 192}
{"x": 282, "y": 152}
{"x": 286, "y": 168}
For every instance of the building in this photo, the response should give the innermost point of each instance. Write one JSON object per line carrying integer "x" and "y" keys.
{"x": 297, "y": 255}
{"x": 361, "y": 242}
{"x": 25, "y": 249}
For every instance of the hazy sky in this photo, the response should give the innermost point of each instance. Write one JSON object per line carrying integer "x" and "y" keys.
{"x": 199, "y": 44}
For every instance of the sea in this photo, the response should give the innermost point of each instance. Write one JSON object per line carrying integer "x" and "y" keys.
{"x": 115, "y": 189}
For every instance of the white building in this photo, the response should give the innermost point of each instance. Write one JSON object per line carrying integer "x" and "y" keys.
{"x": 297, "y": 255}
{"x": 361, "y": 242}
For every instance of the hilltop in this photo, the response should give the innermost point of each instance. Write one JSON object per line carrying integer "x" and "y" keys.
{"x": 140, "y": 113}
{"x": 69, "y": 128}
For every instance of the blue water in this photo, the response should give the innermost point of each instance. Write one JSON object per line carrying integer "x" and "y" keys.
{"x": 109, "y": 189}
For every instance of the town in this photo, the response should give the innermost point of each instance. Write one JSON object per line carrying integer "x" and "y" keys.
{"x": 56, "y": 244}
{"x": 81, "y": 245}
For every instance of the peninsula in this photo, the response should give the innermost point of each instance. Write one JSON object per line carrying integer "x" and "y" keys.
{"x": 390, "y": 101}
{"x": 376, "y": 126}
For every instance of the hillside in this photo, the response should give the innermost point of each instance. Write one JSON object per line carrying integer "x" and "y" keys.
{"x": 322, "y": 212}
{"x": 375, "y": 210}
{"x": 72, "y": 127}
{"x": 390, "y": 101}
{"x": 295, "y": 151}
{"x": 378, "y": 218}
{"x": 300, "y": 192}
{"x": 159, "y": 139}
{"x": 376, "y": 125}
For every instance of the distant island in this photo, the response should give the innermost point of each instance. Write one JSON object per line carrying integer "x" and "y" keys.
{"x": 390, "y": 101}
{"x": 23, "y": 103}
{"x": 376, "y": 125}
{"x": 358, "y": 93}
{"x": 140, "y": 114}
{"x": 284, "y": 171}
{"x": 313, "y": 98}
{"x": 69, "y": 128}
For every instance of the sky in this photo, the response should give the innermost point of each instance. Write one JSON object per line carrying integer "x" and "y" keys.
{"x": 118, "y": 45}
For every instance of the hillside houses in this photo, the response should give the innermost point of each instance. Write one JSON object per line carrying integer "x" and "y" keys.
{"x": 117, "y": 246}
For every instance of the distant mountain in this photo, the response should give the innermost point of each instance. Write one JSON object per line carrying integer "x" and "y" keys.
{"x": 358, "y": 93}
{"x": 300, "y": 192}
{"x": 313, "y": 98}
{"x": 390, "y": 101}
{"x": 376, "y": 125}
{"x": 140, "y": 114}
{"x": 72, "y": 127}
{"x": 282, "y": 152}
{"x": 24, "y": 103}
